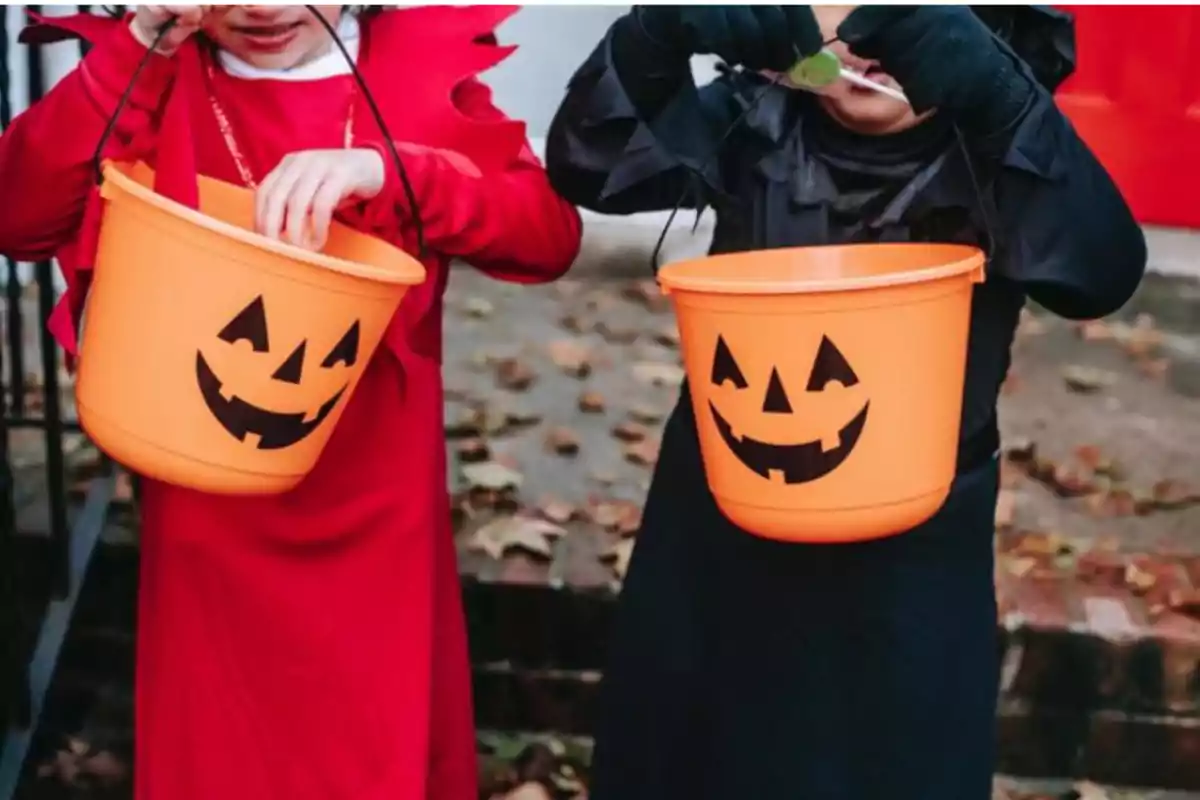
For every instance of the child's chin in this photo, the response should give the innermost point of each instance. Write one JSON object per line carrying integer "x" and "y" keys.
{"x": 874, "y": 115}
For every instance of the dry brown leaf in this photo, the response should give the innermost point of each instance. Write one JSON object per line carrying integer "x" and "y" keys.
{"x": 1087, "y": 380}
{"x": 630, "y": 431}
{"x": 591, "y": 403}
{"x": 571, "y": 356}
{"x": 643, "y": 453}
{"x": 1020, "y": 567}
{"x": 646, "y": 292}
{"x": 472, "y": 451}
{"x": 572, "y": 323}
{"x": 1006, "y": 506}
{"x": 656, "y": 373}
{"x": 603, "y": 477}
{"x": 667, "y": 336}
{"x": 1170, "y": 494}
{"x": 514, "y": 375}
{"x": 620, "y": 516}
{"x": 491, "y": 475}
{"x": 557, "y": 510}
{"x": 645, "y": 414}
{"x": 1139, "y": 579}
{"x": 517, "y": 414}
{"x": 528, "y": 534}
{"x": 562, "y": 440}
{"x": 618, "y": 556}
{"x": 614, "y": 335}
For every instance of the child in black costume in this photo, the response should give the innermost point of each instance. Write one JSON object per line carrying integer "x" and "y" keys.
{"x": 749, "y": 669}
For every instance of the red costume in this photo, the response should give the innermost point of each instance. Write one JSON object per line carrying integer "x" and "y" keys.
{"x": 309, "y": 645}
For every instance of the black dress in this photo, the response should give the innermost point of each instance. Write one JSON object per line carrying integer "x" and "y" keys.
{"x": 747, "y": 668}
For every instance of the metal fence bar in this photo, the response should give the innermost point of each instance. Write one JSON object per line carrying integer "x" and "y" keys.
{"x": 25, "y": 679}
{"x": 54, "y": 631}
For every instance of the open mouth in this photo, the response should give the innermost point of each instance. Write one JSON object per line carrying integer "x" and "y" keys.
{"x": 268, "y": 36}
{"x": 795, "y": 463}
{"x": 273, "y": 429}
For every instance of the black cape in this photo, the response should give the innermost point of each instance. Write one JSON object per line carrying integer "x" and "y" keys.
{"x": 744, "y": 668}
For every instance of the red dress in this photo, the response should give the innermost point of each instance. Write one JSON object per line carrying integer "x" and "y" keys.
{"x": 310, "y": 645}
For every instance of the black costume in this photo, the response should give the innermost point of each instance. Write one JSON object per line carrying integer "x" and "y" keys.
{"x": 747, "y": 669}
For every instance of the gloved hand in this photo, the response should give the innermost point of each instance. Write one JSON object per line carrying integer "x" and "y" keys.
{"x": 944, "y": 57}
{"x": 755, "y": 37}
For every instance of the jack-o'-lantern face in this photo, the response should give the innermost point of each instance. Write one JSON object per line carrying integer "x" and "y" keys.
{"x": 827, "y": 405}
{"x": 274, "y": 429}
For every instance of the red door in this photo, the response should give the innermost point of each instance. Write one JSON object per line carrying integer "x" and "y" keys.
{"x": 1135, "y": 99}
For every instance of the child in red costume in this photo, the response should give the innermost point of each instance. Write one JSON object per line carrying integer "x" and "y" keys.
{"x": 310, "y": 645}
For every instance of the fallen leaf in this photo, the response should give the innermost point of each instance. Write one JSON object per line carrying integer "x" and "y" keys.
{"x": 1006, "y": 506}
{"x": 528, "y": 534}
{"x": 516, "y": 414}
{"x": 1087, "y": 380}
{"x": 619, "y": 516}
{"x": 643, "y": 453}
{"x": 591, "y": 403}
{"x": 1185, "y": 601}
{"x": 514, "y": 375}
{"x": 630, "y": 431}
{"x": 562, "y": 440}
{"x": 645, "y": 414}
{"x": 646, "y": 292}
{"x": 478, "y": 307}
{"x": 572, "y": 323}
{"x": 1100, "y": 567}
{"x": 614, "y": 335}
{"x": 668, "y": 336}
{"x": 472, "y": 451}
{"x": 491, "y": 475}
{"x": 618, "y": 556}
{"x": 571, "y": 356}
{"x": 603, "y": 477}
{"x": 1170, "y": 494}
{"x": 658, "y": 373}
{"x": 557, "y": 510}
{"x": 1139, "y": 579}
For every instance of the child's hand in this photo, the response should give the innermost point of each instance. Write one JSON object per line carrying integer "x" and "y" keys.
{"x": 149, "y": 20}
{"x": 297, "y": 200}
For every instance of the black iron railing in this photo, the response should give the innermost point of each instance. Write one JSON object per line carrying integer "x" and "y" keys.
{"x": 37, "y": 600}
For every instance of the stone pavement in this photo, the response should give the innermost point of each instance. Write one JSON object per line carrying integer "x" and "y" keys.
{"x": 561, "y": 389}
{"x": 556, "y": 395}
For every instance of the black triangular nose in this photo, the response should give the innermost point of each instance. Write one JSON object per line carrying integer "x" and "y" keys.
{"x": 776, "y": 401}
{"x": 290, "y": 370}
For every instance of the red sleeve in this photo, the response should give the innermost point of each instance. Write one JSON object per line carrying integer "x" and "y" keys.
{"x": 46, "y": 153}
{"x": 510, "y": 224}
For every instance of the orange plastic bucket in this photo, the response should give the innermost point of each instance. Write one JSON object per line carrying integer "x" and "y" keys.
{"x": 827, "y": 382}
{"x": 215, "y": 358}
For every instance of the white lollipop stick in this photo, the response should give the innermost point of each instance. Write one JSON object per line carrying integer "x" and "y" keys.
{"x": 858, "y": 80}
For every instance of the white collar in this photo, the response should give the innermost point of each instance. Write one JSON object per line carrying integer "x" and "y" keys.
{"x": 329, "y": 65}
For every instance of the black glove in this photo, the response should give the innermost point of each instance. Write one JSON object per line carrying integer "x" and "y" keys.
{"x": 755, "y": 37}
{"x": 945, "y": 57}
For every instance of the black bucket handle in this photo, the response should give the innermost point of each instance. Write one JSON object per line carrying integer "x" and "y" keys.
{"x": 410, "y": 195}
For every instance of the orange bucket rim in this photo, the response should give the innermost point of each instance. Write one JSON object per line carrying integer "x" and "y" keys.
{"x": 962, "y": 259}
{"x": 410, "y": 271}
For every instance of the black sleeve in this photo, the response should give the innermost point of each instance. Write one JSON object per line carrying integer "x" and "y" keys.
{"x": 605, "y": 155}
{"x": 1070, "y": 239}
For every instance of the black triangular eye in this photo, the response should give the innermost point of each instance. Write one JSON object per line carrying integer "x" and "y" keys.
{"x": 725, "y": 368}
{"x": 291, "y": 370}
{"x": 250, "y": 324}
{"x": 830, "y": 365}
{"x": 345, "y": 351}
{"x": 776, "y": 401}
